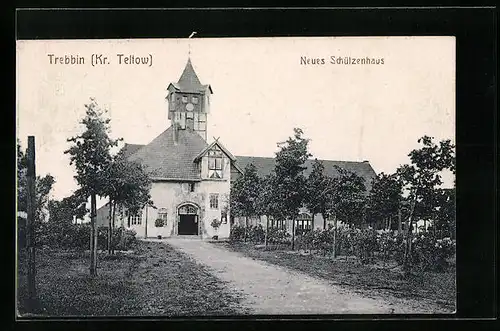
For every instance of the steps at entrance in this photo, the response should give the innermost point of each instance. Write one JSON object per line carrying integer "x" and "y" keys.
{"x": 186, "y": 236}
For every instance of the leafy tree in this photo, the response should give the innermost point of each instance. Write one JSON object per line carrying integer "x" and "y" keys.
{"x": 244, "y": 195}
{"x": 444, "y": 224}
{"x": 90, "y": 154}
{"x": 269, "y": 203}
{"x": 384, "y": 199}
{"x": 347, "y": 199}
{"x": 318, "y": 185}
{"x": 43, "y": 186}
{"x": 22, "y": 164}
{"x": 420, "y": 179}
{"x": 62, "y": 212}
{"x": 290, "y": 180}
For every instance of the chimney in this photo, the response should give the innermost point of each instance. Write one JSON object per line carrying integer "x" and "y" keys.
{"x": 176, "y": 132}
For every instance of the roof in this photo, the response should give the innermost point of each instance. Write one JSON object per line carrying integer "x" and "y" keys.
{"x": 165, "y": 159}
{"x": 130, "y": 149}
{"x": 180, "y": 165}
{"x": 265, "y": 165}
{"x": 189, "y": 81}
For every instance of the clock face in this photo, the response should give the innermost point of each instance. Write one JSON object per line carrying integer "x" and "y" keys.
{"x": 189, "y": 107}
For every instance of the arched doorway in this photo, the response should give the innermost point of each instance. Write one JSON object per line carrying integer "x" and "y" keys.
{"x": 188, "y": 219}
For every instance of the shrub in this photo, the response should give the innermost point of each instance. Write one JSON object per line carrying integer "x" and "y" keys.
{"x": 256, "y": 234}
{"x": 431, "y": 254}
{"x": 159, "y": 222}
{"x": 237, "y": 233}
{"x": 126, "y": 239}
{"x": 215, "y": 223}
{"x": 278, "y": 236}
{"x": 77, "y": 236}
{"x": 365, "y": 245}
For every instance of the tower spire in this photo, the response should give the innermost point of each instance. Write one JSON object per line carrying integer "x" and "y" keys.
{"x": 189, "y": 43}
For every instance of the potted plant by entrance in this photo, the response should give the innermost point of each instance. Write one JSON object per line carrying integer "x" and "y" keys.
{"x": 215, "y": 224}
{"x": 159, "y": 222}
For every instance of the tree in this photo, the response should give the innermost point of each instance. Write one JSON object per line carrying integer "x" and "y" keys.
{"x": 420, "y": 180}
{"x": 269, "y": 203}
{"x": 444, "y": 215}
{"x": 90, "y": 154}
{"x": 61, "y": 216}
{"x": 290, "y": 181}
{"x": 22, "y": 164}
{"x": 244, "y": 195}
{"x": 384, "y": 199}
{"x": 347, "y": 200}
{"x": 43, "y": 187}
{"x": 318, "y": 185}
{"x": 348, "y": 197}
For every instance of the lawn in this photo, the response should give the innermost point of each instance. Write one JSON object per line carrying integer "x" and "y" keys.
{"x": 367, "y": 280}
{"x": 153, "y": 280}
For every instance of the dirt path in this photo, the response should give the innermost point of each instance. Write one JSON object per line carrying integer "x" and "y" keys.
{"x": 270, "y": 289}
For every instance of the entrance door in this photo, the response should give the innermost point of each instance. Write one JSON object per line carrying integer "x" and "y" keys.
{"x": 188, "y": 220}
{"x": 188, "y": 225}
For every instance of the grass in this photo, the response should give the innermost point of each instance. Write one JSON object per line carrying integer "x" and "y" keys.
{"x": 154, "y": 280}
{"x": 365, "y": 279}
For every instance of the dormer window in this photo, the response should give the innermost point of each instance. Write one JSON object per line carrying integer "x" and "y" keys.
{"x": 215, "y": 162}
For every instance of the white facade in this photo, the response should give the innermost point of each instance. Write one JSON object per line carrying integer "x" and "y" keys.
{"x": 169, "y": 196}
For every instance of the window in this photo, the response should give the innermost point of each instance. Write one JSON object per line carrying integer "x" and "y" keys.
{"x": 188, "y": 210}
{"x": 194, "y": 100}
{"x": 215, "y": 162}
{"x": 136, "y": 219}
{"x": 191, "y": 187}
{"x": 303, "y": 223}
{"x": 184, "y": 99}
{"x": 172, "y": 98}
{"x": 162, "y": 215}
{"x": 182, "y": 120}
{"x": 202, "y": 122}
{"x": 214, "y": 201}
{"x": 224, "y": 217}
{"x": 277, "y": 224}
{"x": 189, "y": 115}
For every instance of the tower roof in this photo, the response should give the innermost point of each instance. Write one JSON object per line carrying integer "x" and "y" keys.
{"x": 189, "y": 81}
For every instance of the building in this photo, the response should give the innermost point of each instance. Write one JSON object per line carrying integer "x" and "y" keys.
{"x": 191, "y": 178}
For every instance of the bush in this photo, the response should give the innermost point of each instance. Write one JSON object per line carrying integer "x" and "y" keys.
{"x": 317, "y": 240}
{"x": 77, "y": 236}
{"x": 237, "y": 233}
{"x": 159, "y": 222}
{"x": 215, "y": 223}
{"x": 365, "y": 245}
{"x": 256, "y": 234}
{"x": 431, "y": 254}
{"x": 278, "y": 236}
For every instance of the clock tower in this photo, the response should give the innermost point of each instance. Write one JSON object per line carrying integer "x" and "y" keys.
{"x": 189, "y": 102}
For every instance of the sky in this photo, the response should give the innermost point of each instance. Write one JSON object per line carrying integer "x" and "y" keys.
{"x": 261, "y": 91}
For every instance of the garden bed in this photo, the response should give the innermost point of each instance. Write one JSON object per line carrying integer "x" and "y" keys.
{"x": 154, "y": 280}
{"x": 378, "y": 278}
